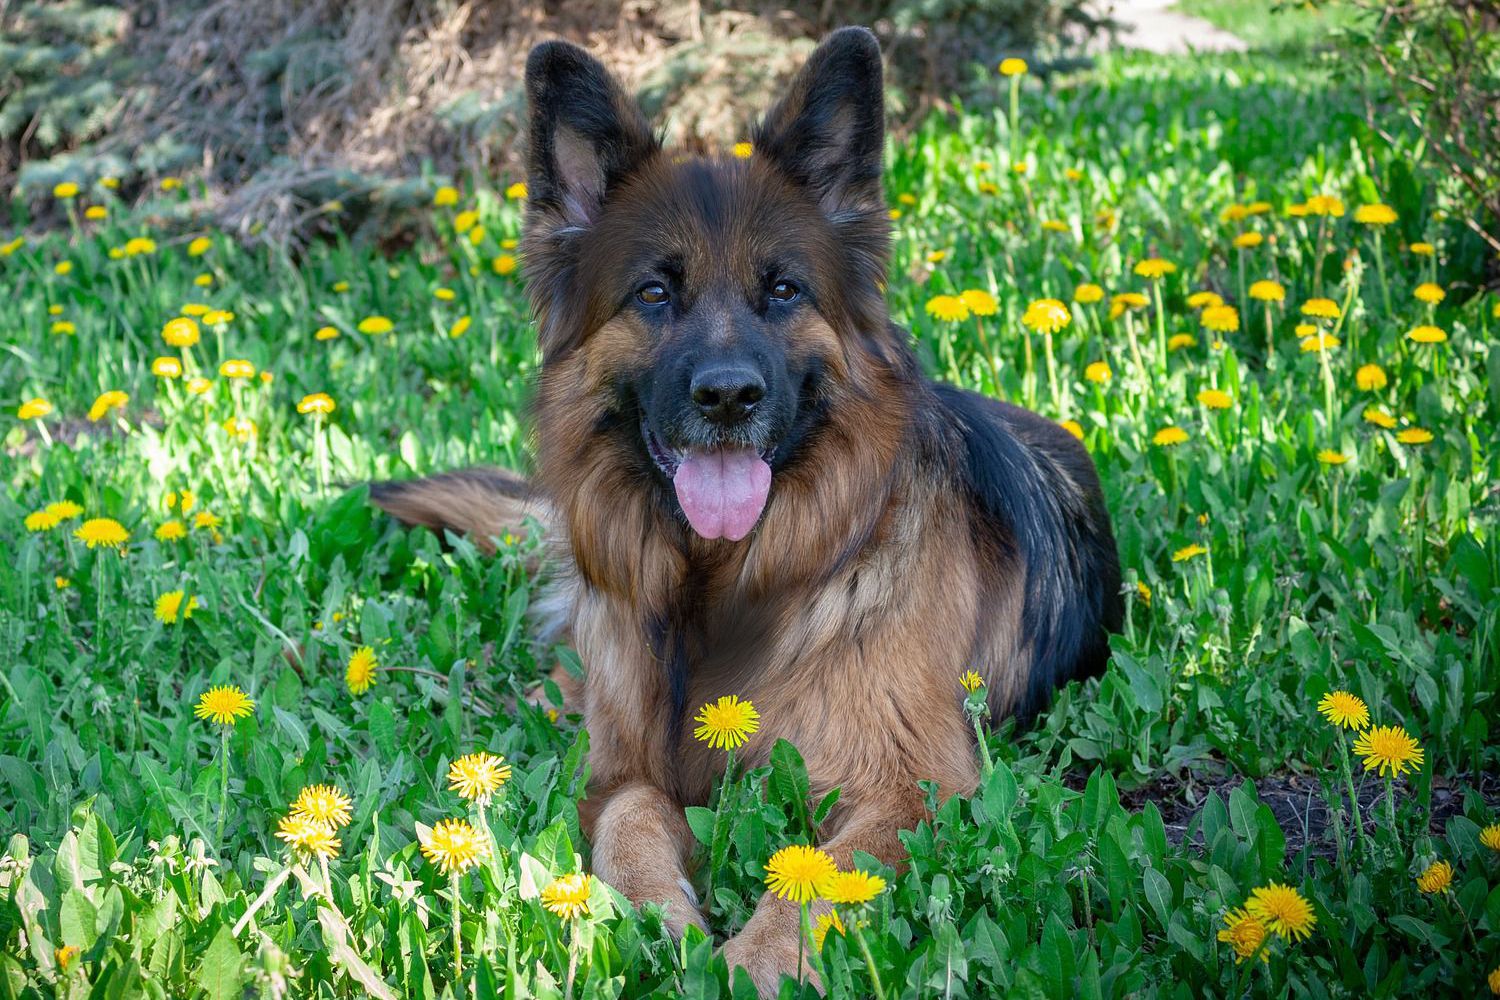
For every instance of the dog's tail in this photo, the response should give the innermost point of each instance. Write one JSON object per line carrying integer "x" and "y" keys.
{"x": 484, "y": 504}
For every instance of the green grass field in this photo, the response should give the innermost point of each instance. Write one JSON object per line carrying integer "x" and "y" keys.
{"x": 1315, "y": 528}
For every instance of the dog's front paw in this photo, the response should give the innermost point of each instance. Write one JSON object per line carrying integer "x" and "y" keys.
{"x": 767, "y": 952}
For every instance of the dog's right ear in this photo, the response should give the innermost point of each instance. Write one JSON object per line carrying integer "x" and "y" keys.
{"x": 586, "y": 135}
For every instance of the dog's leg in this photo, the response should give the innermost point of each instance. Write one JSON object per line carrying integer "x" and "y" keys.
{"x": 641, "y": 843}
{"x": 766, "y": 947}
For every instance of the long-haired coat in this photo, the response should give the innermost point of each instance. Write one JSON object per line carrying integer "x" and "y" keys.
{"x": 752, "y": 488}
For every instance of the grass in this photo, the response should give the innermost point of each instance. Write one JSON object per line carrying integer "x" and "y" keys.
{"x": 1274, "y": 25}
{"x": 1110, "y": 841}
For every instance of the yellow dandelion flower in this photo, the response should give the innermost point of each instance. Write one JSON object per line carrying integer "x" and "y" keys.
{"x": 1073, "y": 174}
{"x": 444, "y": 196}
{"x": 852, "y": 888}
{"x": 1200, "y": 299}
{"x": 1414, "y": 435}
{"x": 743, "y": 150}
{"x": 63, "y": 328}
{"x": 375, "y": 325}
{"x": 1388, "y": 750}
{"x": 112, "y": 399}
{"x": 1283, "y": 910}
{"x": 1267, "y": 291}
{"x": 1154, "y": 267}
{"x": 1325, "y": 204}
{"x": 64, "y": 510}
{"x": 41, "y": 520}
{"x": 181, "y": 332}
{"x": 1435, "y": 878}
{"x": 1054, "y": 226}
{"x": 96, "y": 213}
{"x": 459, "y": 327}
{"x": 1046, "y": 316}
{"x": 1426, "y": 334}
{"x": 171, "y": 531}
{"x": 1189, "y": 552}
{"x": 1245, "y": 934}
{"x": 1073, "y": 427}
{"x": 237, "y": 368}
{"x": 971, "y": 681}
{"x": 1369, "y": 378}
{"x": 1490, "y": 836}
{"x": 170, "y": 183}
{"x": 1375, "y": 415}
{"x": 1144, "y": 592}
{"x": 1330, "y": 457}
{"x": 1012, "y": 66}
{"x": 1128, "y": 300}
{"x": 799, "y": 873}
{"x": 317, "y": 402}
{"x": 340, "y": 287}
{"x": 33, "y": 409}
{"x": 360, "y": 673}
{"x": 170, "y": 604}
{"x": 205, "y": 519}
{"x": 199, "y": 246}
{"x": 980, "y": 302}
{"x": 1233, "y": 213}
{"x": 1169, "y": 436}
{"x": 454, "y": 846}
{"x": 65, "y": 190}
{"x": 223, "y": 704}
{"x": 825, "y": 923}
{"x": 11, "y": 246}
{"x": 727, "y": 723}
{"x": 1423, "y": 249}
{"x": 105, "y": 531}
{"x": 140, "y": 246}
{"x": 65, "y": 956}
{"x": 199, "y": 385}
{"x": 166, "y": 368}
{"x": 1429, "y": 293}
{"x": 1087, "y": 293}
{"x": 444, "y": 294}
{"x": 1494, "y": 980}
{"x": 1019, "y": 169}
{"x": 1098, "y": 372}
{"x": 64, "y": 267}
{"x": 1215, "y": 399}
{"x": 1321, "y": 308}
{"x": 241, "y": 429}
{"x": 304, "y": 833}
{"x": 1248, "y": 240}
{"x": 324, "y": 803}
{"x": 1220, "y": 319}
{"x": 61, "y": 582}
{"x": 516, "y": 191}
{"x": 1319, "y": 342}
{"x": 936, "y": 256}
{"x": 1375, "y": 215}
{"x": 567, "y": 896}
{"x": 907, "y": 198}
{"x": 949, "y": 308}
{"x": 478, "y": 776}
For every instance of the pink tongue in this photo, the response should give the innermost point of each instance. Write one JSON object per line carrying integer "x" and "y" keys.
{"x": 723, "y": 492}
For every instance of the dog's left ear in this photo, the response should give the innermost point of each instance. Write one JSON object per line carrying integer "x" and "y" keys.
{"x": 828, "y": 132}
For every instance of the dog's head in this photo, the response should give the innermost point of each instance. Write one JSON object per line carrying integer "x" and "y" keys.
{"x": 718, "y": 305}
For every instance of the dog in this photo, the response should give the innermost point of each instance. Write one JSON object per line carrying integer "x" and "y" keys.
{"x": 751, "y": 488}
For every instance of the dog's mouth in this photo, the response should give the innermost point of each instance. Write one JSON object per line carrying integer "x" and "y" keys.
{"x": 722, "y": 490}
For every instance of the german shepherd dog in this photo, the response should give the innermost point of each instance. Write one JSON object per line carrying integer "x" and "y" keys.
{"x": 751, "y": 488}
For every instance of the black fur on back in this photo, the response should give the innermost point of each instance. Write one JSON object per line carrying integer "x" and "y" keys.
{"x": 1039, "y": 496}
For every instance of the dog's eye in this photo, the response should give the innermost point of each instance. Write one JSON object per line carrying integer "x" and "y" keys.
{"x": 784, "y": 291}
{"x": 652, "y": 294}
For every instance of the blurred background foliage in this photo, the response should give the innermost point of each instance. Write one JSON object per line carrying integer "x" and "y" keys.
{"x": 285, "y": 109}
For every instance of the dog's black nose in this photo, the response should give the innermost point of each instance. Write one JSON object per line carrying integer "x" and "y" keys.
{"x": 727, "y": 394}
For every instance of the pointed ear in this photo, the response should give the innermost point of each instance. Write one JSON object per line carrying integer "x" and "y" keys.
{"x": 586, "y": 135}
{"x": 828, "y": 132}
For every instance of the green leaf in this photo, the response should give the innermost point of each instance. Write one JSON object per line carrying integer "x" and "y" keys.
{"x": 221, "y": 973}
